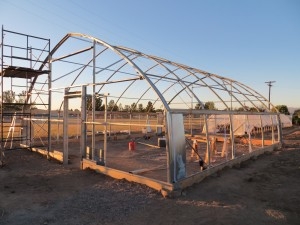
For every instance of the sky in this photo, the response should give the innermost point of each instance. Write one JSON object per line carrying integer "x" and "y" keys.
{"x": 250, "y": 41}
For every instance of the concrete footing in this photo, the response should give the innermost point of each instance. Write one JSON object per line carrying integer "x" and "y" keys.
{"x": 54, "y": 155}
{"x": 163, "y": 187}
{"x": 166, "y": 189}
{"x": 174, "y": 190}
{"x": 196, "y": 178}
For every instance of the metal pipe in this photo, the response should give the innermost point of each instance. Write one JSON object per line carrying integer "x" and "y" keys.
{"x": 2, "y": 124}
{"x": 109, "y": 125}
{"x": 93, "y": 100}
{"x": 13, "y": 32}
{"x": 262, "y": 132}
{"x": 232, "y": 137}
{"x": 273, "y": 134}
{"x": 49, "y": 102}
{"x": 83, "y": 125}
{"x": 130, "y": 118}
{"x": 95, "y": 84}
{"x": 72, "y": 54}
{"x": 207, "y": 139}
{"x": 280, "y": 140}
{"x": 65, "y": 130}
{"x": 105, "y": 131}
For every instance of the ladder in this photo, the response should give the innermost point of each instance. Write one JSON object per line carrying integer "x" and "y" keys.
{"x": 11, "y": 131}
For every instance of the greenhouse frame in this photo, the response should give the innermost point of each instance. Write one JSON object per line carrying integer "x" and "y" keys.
{"x": 118, "y": 94}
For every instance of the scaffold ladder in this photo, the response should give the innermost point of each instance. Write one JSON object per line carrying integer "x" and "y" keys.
{"x": 11, "y": 132}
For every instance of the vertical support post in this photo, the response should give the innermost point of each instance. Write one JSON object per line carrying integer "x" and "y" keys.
{"x": 192, "y": 120}
{"x": 49, "y": 102}
{"x": 30, "y": 51}
{"x": 262, "y": 132}
{"x": 166, "y": 116}
{"x": 232, "y": 137}
{"x": 2, "y": 124}
{"x": 105, "y": 130}
{"x": 207, "y": 140}
{"x": 273, "y": 135}
{"x": 147, "y": 122}
{"x": 65, "y": 129}
{"x": 231, "y": 95}
{"x": 88, "y": 153}
{"x": 130, "y": 118}
{"x": 215, "y": 130}
{"x": 280, "y": 140}
{"x": 77, "y": 125}
{"x": 139, "y": 118}
{"x": 83, "y": 124}
{"x": 109, "y": 125}
{"x": 58, "y": 118}
{"x": 94, "y": 100}
{"x": 190, "y": 124}
{"x": 31, "y": 132}
{"x": 249, "y": 133}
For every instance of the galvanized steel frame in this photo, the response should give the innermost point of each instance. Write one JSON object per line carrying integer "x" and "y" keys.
{"x": 189, "y": 82}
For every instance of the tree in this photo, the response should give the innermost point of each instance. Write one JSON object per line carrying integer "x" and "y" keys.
{"x": 253, "y": 109}
{"x": 296, "y": 117}
{"x": 112, "y": 106}
{"x": 127, "y": 108}
{"x": 76, "y": 111}
{"x": 98, "y": 104}
{"x": 133, "y": 107}
{"x": 149, "y": 107}
{"x": 121, "y": 109}
{"x": 22, "y": 97}
{"x": 140, "y": 107}
{"x": 250, "y": 109}
{"x": 297, "y": 113}
{"x": 209, "y": 105}
{"x": 198, "y": 106}
{"x": 10, "y": 98}
{"x": 283, "y": 109}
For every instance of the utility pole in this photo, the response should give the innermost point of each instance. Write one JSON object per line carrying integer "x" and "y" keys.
{"x": 269, "y": 83}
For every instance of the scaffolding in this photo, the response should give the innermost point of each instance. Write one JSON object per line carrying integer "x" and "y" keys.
{"x": 25, "y": 82}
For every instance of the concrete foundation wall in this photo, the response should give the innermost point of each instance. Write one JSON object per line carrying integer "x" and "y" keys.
{"x": 54, "y": 155}
{"x": 168, "y": 189}
{"x": 118, "y": 174}
{"x": 196, "y": 178}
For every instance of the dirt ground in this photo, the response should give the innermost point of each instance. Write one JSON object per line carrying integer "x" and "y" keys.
{"x": 34, "y": 190}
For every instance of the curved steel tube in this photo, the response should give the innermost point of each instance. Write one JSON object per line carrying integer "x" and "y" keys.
{"x": 161, "y": 62}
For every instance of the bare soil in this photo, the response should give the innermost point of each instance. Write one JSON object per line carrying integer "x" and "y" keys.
{"x": 34, "y": 190}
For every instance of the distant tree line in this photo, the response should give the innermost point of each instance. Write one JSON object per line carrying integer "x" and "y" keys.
{"x": 14, "y": 102}
{"x": 112, "y": 106}
{"x": 283, "y": 109}
{"x": 9, "y": 98}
